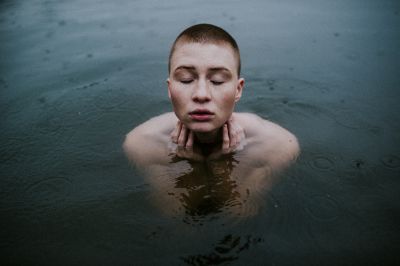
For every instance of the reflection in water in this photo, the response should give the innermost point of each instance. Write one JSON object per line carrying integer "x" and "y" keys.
{"x": 76, "y": 75}
{"x": 208, "y": 188}
{"x": 226, "y": 250}
{"x": 205, "y": 190}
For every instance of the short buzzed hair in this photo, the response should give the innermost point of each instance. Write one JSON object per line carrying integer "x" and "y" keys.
{"x": 206, "y": 33}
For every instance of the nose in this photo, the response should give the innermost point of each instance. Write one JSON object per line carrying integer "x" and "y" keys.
{"x": 201, "y": 92}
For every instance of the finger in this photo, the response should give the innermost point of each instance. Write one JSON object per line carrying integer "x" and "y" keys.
{"x": 189, "y": 143}
{"x": 172, "y": 147}
{"x": 181, "y": 153}
{"x": 225, "y": 138}
{"x": 182, "y": 137}
{"x": 243, "y": 142}
{"x": 176, "y": 131}
{"x": 231, "y": 133}
{"x": 241, "y": 133}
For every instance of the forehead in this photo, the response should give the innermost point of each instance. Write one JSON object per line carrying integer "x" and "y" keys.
{"x": 204, "y": 56}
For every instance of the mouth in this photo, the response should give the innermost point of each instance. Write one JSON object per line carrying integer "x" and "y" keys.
{"x": 201, "y": 115}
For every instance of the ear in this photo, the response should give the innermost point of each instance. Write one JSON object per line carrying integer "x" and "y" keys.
{"x": 169, "y": 89}
{"x": 239, "y": 89}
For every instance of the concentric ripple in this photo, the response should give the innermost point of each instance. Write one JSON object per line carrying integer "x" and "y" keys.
{"x": 322, "y": 162}
{"x": 391, "y": 161}
{"x": 322, "y": 207}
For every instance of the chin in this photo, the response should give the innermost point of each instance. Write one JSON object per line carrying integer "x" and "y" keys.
{"x": 202, "y": 127}
{"x": 205, "y": 127}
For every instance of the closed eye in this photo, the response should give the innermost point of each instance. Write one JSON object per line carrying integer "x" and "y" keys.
{"x": 217, "y": 82}
{"x": 186, "y": 81}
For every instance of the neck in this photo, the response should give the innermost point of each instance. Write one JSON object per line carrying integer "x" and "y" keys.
{"x": 210, "y": 138}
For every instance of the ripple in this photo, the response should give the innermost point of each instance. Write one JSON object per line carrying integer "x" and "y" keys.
{"x": 391, "y": 161}
{"x": 359, "y": 163}
{"x": 273, "y": 200}
{"x": 322, "y": 162}
{"x": 225, "y": 251}
{"x": 49, "y": 190}
{"x": 350, "y": 119}
{"x": 323, "y": 208}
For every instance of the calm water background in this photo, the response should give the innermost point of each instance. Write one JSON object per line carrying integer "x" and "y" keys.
{"x": 76, "y": 76}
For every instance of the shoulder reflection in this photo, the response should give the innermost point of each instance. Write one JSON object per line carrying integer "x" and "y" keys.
{"x": 202, "y": 190}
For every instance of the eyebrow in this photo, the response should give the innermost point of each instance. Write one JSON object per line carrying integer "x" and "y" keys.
{"x": 219, "y": 69}
{"x": 185, "y": 67}
{"x": 213, "y": 69}
{"x": 224, "y": 71}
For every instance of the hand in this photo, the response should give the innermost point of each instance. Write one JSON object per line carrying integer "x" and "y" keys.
{"x": 182, "y": 143}
{"x": 233, "y": 139}
{"x": 236, "y": 135}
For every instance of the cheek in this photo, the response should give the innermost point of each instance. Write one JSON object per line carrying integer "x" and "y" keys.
{"x": 228, "y": 100}
{"x": 177, "y": 100}
{"x": 175, "y": 97}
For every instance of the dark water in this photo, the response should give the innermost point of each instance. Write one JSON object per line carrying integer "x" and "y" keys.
{"x": 76, "y": 76}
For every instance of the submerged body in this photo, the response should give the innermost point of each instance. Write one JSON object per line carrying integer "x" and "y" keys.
{"x": 209, "y": 183}
{"x": 203, "y": 156}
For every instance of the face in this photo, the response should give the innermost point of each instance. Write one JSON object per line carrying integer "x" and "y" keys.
{"x": 203, "y": 85}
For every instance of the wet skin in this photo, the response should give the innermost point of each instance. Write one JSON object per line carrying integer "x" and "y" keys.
{"x": 205, "y": 140}
{"x": 204, "y": 86}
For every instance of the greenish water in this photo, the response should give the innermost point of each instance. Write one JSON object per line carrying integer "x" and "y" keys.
{"x": 76, "y": 76}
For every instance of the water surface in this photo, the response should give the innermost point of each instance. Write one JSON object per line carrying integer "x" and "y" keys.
{"x": 76, "y": 76}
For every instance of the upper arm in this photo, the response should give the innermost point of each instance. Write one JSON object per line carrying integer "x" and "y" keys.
{"x": 281, "y": 147}
{"x": 137, "y": 146}
{"x": 147, "y": 143}
{"x": 272, "y": 144}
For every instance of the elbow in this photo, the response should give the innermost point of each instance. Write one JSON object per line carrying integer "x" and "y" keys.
{"x": 293, "y": 148}
{"x": 129, "y": 144}
{"x": 125, "y": 143}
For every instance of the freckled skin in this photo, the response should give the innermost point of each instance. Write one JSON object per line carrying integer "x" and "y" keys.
{"x": 201, "y": 92}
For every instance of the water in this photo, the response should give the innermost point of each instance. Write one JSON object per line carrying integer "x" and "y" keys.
{"x": 76, "y": 76}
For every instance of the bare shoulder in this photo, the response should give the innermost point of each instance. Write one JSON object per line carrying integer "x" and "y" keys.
{"x": 147, "y": 143}
{"x": 269, "y": 140}
{"x": 155, "y": 125}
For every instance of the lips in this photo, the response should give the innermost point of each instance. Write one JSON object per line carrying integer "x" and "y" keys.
{"x": 201, "y": 115}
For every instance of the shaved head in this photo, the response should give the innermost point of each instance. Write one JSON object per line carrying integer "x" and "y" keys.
{"x": 206, "y": 33}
